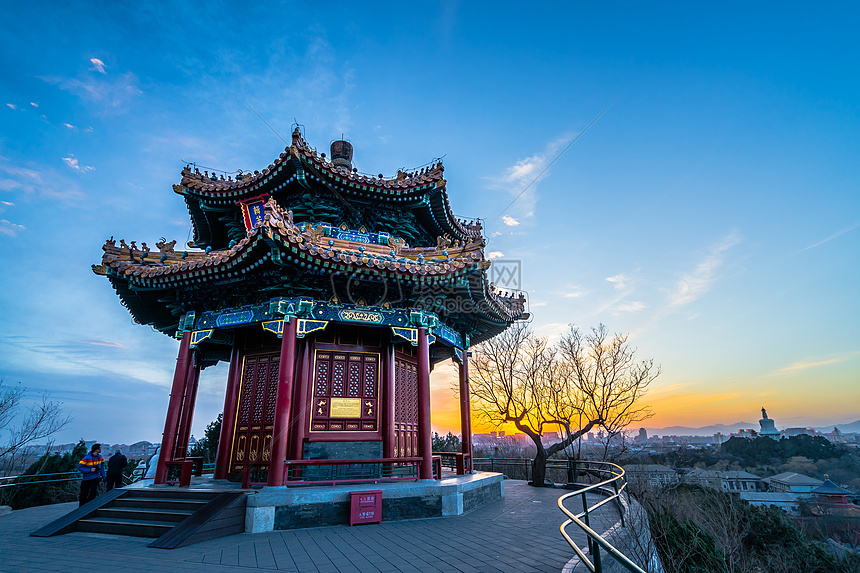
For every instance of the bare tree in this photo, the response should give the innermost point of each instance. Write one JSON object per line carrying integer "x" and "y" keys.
{"x": 585, "y": 381}
{"x": 20, "y": 427}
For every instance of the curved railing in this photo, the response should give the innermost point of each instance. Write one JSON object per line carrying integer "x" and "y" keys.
{"x": 610, "y": 476}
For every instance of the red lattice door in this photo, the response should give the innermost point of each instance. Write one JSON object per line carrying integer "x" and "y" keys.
{"x": 405, "y": 409}
{"x": 255, "y": 415}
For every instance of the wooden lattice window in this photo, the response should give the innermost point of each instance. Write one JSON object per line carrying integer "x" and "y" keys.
{"x": 346, "y": 390}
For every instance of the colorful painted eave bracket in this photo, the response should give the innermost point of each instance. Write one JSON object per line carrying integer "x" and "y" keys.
{"x": 313, "y": 316}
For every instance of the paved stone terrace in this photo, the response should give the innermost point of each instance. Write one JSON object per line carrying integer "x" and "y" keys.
{"x": 516, "y": 534}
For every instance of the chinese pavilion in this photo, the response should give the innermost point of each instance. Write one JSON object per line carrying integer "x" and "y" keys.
{"x": 332, "y": 294}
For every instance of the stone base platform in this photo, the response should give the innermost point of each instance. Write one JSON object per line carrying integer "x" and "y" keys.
{"x": 278, "y": 508}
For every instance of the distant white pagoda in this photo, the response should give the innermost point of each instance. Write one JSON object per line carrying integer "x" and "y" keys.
{"x": 767, "y": 427}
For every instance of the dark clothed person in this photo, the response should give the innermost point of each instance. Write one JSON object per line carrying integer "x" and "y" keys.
{"x": 92, "y": 468}
{"x": 115, "y": 465}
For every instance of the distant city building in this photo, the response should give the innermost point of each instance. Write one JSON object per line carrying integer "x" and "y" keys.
{"x": 703, "y": 478}
{"x": 791, "y": 482}
{"x": 739, "y": 481}
{"x": 642, "y": 438}
{"x": 767, "y": 426}
{"x": 728, "y": 481}
{"x": 745, "y": 433}
{"x": 785, "y": 501}
{"x": 832, "y": 497}
{"x": 651, "y": 474}
{"x": 836, "y": 436}
{"x": 791, "y": 432}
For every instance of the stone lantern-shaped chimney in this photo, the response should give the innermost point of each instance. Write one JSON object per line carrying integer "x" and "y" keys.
{"x": 341, "y": 154}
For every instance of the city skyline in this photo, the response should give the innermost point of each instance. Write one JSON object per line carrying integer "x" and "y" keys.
{"x": 712, "y": 212}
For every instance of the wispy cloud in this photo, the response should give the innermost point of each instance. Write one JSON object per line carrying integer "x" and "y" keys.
{"x": 553, "y": 330}
{"x": 525, "y": 169}
{"x": 7, "y": 203}
{"x": 831, "y": 237}
{"x": 102, "y": 343}
{"x": 696, "y": 283}
{"x": 70, "y": 126}
{"x": 510, "y": 221}
{"x": 629, "y": 307}
{"x": 10, "y": 229}
{"x": 51, "y": 184}
{"x": 520, "y": 178}
{"x": 619, "y": 280}
{"x": 98, "y": 65}
{"x": 109, "y": 93}
{"x": 806, "y": 364}
{"x": 72, "y": 162}
{"x": 495, "y": 255}
{"x": 75, "y": 357}
{"x": 18, "y": 178}
{"x": 574, "y": 292}
{"x": 11, "y": 106}
{"x": 34, "y": 104}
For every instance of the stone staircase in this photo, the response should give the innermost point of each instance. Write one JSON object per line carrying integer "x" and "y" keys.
{"x": 142, "y": 513}
{"x": 173, "y": 516}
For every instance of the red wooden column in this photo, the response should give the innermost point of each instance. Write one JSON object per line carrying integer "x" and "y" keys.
{"x": 425, "y": 441}
{"x": 177, "y": 392}
{"x": 183, "y": 434}
{"x": 299, "y": 422}
{"x": 465, "y": 409}
{"x": 388, "y": 403}
{"x": 228, "y": 419}
{"x": 286, "y": 373}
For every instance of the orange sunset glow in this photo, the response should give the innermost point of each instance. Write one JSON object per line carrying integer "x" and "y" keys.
{"x": 704, "y": 402}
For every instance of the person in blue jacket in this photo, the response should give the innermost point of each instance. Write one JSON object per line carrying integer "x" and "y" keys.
{"x": 92, "y": 468}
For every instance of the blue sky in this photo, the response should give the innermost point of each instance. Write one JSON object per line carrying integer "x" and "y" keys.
{"x": 713, "y": 212}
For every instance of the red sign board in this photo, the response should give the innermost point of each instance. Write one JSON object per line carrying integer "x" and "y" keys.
{"x": 365, "y": 507}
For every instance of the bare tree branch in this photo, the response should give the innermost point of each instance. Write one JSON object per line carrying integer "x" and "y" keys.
{"x": 19, "y": 430}
{"x": 584, "y": 381}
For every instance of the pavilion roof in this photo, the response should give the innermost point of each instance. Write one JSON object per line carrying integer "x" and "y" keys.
{"x": 830, "y": 488}
{"x": 143, "y": 278}
{"x": 300, "y": 168}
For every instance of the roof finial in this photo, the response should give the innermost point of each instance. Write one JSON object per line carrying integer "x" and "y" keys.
{"x": 341, "y": 153}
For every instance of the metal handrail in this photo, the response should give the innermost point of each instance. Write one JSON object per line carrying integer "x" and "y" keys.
{"x": 38, "y": 479}
{"x": 618, "y": 483}
{"x": 38, "y": 475}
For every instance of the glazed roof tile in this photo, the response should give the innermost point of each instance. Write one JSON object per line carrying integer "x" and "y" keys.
{"x": 306, "y": 245}
{"x": 423, "y": 192}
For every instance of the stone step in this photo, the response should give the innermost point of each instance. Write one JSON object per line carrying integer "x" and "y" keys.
{"x": 169, "y": 493}
{"x": 160, "y": 503}
{"x": 133, "y": 527}
{"x": 145, "y": 513}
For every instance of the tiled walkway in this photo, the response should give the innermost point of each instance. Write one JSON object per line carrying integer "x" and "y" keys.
{"x": 516, "y": 534}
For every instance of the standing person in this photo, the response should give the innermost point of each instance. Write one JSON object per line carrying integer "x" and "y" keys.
{"x": 92, "y": 468}
{"x": 116, "y": 463}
